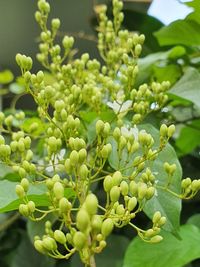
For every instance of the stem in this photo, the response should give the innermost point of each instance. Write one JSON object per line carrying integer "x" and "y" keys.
{"x": 92, "y": 261}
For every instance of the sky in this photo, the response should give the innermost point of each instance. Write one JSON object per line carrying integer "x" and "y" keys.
{"x": 168, "y": 10}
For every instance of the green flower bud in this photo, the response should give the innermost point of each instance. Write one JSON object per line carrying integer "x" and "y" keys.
{"x": 74, "y": 158}
{"x": 117, "y": 178}
{"x": 132, "y": 203}
{"x": 24, "y": 210}
{"x": 83, "y": 171}
{"x": 38, "y": 244}
{"x": 2, "y": 140}
{"x": 171, "y": 130}
{"x": 150, "y": 192}
{"x": 106, "y": 151}
{"x": 21, "y": 145}
{"x": 60, "y": 237}
{"x": 117, "y": 134}
{"x": 31, "y": 206}
{"x": 195, "y": 185}
{"x": 142, "y": 190}
{"x": 120, "y": 210}
{"x": 64, "y": 205}
{"x": 49, "y": 243}
{"x": 91, "y": 204}
{"x": 156, "y": 217}
{"x": 19, "y": 191}
{"x": 79, "y": 240}
{"x": 58, "y": 190}
{"x": 114, "y": 193}
{"x": 25, "y": 184}
{"x": 138, "y": 50}
{"x": 107, "y": 227}
{"x": 96, "y": 223}
{"x": 52, "y": 143}
{"x": 124, "y": 188}
{"x": 55, "y": 24}
{"x": 162, "y": 221}
{"x": 108, "y": 183}
{"x": 156, "y": 239}
{"x": 99, "y": 127}
{"x": 82, "y": 155}
{"x": 82, "y": 220}
{"x": 133, "y": 187}
{"x": 67, "y": 42}
{"x": 163, "y": 130}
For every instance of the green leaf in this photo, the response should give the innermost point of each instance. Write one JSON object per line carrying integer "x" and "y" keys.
{"x": 6, "y": 76}
{"x": 38, "y": 228}
{"x": 195, "y": 220}
{"x": 180, "y": 32}
{"x": 177, "y": 52}
{"x": 36, "y": 193}
{"x": 188, "y": 87}
{"x": 16, "y": 88}
{"x": 186, "y": 144}
{"x": 169, "y": 73}
{"x": 170, "y": 252}
{"x": 112, "y": 255}
{"x": 40, "y": 126}
{"x": 166, "y": 203}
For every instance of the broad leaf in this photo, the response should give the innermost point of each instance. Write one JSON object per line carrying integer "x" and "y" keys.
{"x": 163, "y": 201}
{"x": 186, "y": 144}
{"x": 169, "y": 73}
{"x": 195, "y": 220}
{"x": 37, "y": 193}
{"x": 188, "y": 87}
{"x": 180, "y": 32}
{"x": 170, "y": 252}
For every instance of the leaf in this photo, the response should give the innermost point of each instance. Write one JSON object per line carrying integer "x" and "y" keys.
{"x": 6, "y": 77}
{"x": 170, "y": 252}
{"x": 16, "y": 88}
{"x": 40, "y": 126}
{"x": 186, "y": 144}
{"x": 188, "y": 87}
{"x": 26, "y": 256}
{"x": 112, "y": 255}
{"x": 169, "y": 73}
{"x": 195, "y": 220}
{"x": 179, "y": 32}
{"x": 36, "y": 193}
{"x": 166, "y": 203}
{"x": 38, "y": 228}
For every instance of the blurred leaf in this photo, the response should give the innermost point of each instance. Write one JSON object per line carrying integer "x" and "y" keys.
{"x": 170, "y": 252}
{"x": 6, "y": 76}
{"x": 112, "y": 255}
{"x": 180, "y": 32}
{"x": 41, "y": 126}
{"x": 188, "y": 87}
{"x": 195, "y": 220}
{"x": 27, "y": 256}
{"x": 38, "y": 228}
{"x": 166, "y": 203}
{"x": 177, "y": 52}
{"x": 185, "y": 143}
{"x": 169, "y": 73}
{"x": 36, "y": 193}
{"x": 16, "y": 88}
{"x": 3, "y": 91}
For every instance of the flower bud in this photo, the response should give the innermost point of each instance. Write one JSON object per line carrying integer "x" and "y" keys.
{"x": 163, "y": 130}
{"x": 74, "y": 158}
{"x": 99, "y": 126}
{"x": 171, "y": 130}
{"x": 79, "y": 240}
{"x": 23, "y": 209}
{"x": 156, "y": 217}
{"x": 96, "y": 223}
{"x": 114, "y": 193}
{"x": 49, "y": 243}
{"x": 124, "y": 188}
{"x": 64, "y": 205}
{"x": 20, "y": 191}
{"x": 91, "y": 204}
{"x": 82, "y": 220}
{"x": 58, "y": 190}
{"x": 31, "y": 206}
{"x": 132, "y": 203}
{"x": 108, "y": 183}
{"x": 107, "y": 227}
{"x": 156, "y": 239}
{"x": 38, "y": 244}
{"x": 60, "y": 237}
{"x": 25, "y": 184}
{"x": 117, "y": 178}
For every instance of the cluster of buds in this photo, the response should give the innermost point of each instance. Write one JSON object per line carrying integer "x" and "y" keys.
{"x": 71, "y": 160}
